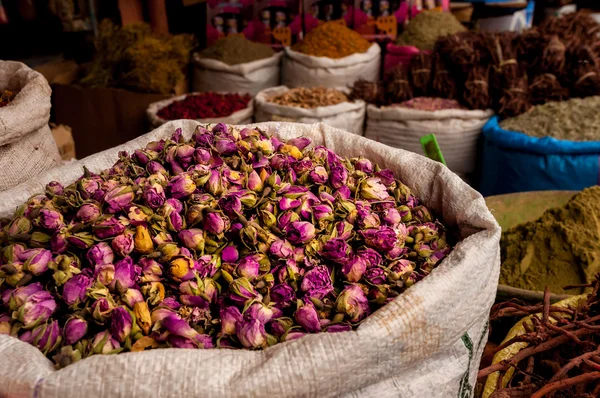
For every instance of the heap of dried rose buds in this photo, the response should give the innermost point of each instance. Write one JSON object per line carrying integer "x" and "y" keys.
{"x": 231, "y": 239}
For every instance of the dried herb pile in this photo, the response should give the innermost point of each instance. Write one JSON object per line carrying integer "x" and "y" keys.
{"x": 134, "y": 58}
{"x": 204, "y": 105}
{"x": 430, "y": 104}
{"x": 577, "y": 119}
{"x": 236, "y": 49}
{"x": 6, "y": 97}
{"x": 562, "y": 354}
{"x": 423, "y": 30}
{"x": 231, "y": 239}
{"x": 561, "y": 248}
{"x": 332, "y": 40}
{"x": 507, "y": 72}
{"x": 309, "y": 97}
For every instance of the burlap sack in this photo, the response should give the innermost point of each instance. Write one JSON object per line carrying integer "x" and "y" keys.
{"x": 26, "y": 144}
{"x": 301, "y": 70}
{"x": 243, "y": 116}
{"x": 426, "y": 343}
{"x": 250, "y": 77}
{"x": 347, "y": 116}
{"x": 457, "y": 131}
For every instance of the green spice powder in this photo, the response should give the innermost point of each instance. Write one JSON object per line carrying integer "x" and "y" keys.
{"x": 577, "y": 119}
{"x": 561, "y": 248}
{"x": 234, "y": 50}
{"x": 424, "y": 30}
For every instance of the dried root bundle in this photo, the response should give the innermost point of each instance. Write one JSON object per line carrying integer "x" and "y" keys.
{"x": 420, "y": 74}
{"x": 398, "y": 86}
{"x": 546, "y": 87}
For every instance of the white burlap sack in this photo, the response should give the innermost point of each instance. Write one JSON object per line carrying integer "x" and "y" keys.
{"x": 243, "y": 116}
{"x": 301, "y": 70}
{"x": 457, "y": 132}
{"x": 347, "y": 116}
{"x": 250, "y": 77}
{"x": 426, "y": 343}
{"x": 26, "y": 144}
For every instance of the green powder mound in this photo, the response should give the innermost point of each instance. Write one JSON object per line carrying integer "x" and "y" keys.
{"x": 234, "y": 50}
{"x": 423, "y": 31}
{"x": 561, "y": 248}
{"x": 577, "y": 119}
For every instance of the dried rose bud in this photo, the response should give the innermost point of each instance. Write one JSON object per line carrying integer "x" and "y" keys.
{"x": 50, "y": 219}
{"x": 374, "y": 189}
{"x": 121, "y": 323}
{"x": 142, "y": 316}
{"x": 54, "y": 188}
{"x": 100, "y": 254}
{"x": 354, "y": 269}
{"x": 181, "y": 268}
{"x": 193, "y": 239}
{"x": 74, "y": 330}
{"x": 156, "y": 168}
{"x": 119, "y": 198}
{"x": 81, "y": 240}
{"x": 107, "y": 227}
{"x": 300, "y": 232}
{"x": 5, "y": 324}
{"x": 104, "y": 343}
{"x": 255, "y": 183}
{"x": 364, "y": 165}
{"x": 336, "y": 250}
{"x": 46, "y": 337}
{"x": 282, "y": 295}
{"x": 216, "y": 223}
{"x": 248, "y": 268}
{"x": 383, "y": 238}
{"x": 260, "y": 312}
{"x": 292, "y": 336}
{"x": 105, "y": 274}
{"x": 18, "y": 227}
{"x": 126, "y": 274}
{"x": 123, "y": 244}
{"x": 230, "y": 319}
{"x": 154, "y": 195}
{"x": 41, "y": 240}
{"x": 181, "y": 186}
{"x": 131, "y": 297}
{"x": 75, "y": 289}
{"x": 143, "y": 242}
{"x": 89, "y": 188}
{"x": 375, "y": 276}
{"x": 230, "y": 254}
{"x": 101, "y": 310}
{"x": 307, "y": 317}
{"x": 317, "y": 282}
{"x": 353, "y": 302}
{"x": 370, "y": 256}
{"x": 341, "y": 327}
{"x": 281, "y": 249}
{"x": 319, "y": 175}
{"x": 241, "y": 290}
{"x": 36, "y": 260}
{"x": 231, "y": 205}
{"x": 252, "y": 334}
{"x": 89, "y": 212}
{"x": 386, "y": 176}
{"x": 13, "y": 299}
{"x": 280, "y": 326}
{"x": 36, "y": 309}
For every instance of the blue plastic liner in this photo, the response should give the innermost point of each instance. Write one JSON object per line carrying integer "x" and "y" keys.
{"x": 515, "y": 162}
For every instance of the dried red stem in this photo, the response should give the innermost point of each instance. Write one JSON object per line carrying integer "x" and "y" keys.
{"x": 559, "y": 385}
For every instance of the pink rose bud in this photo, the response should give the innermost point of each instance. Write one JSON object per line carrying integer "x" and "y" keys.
{"x": 317, "y": 282}
{"x": 216, "y": 223}
{"x": 281, "y": 249}
{"x": 51, "y": 220}
{"x": 338, "y": 176}
{"x": 75, "y": 289}
{"x": 100, "y": 254}
{"x": 74, "y": 330}
{"x": 230, "y": 319}
{"x": 119, "y": 198}
{"x": 354, "y": 269}
{"x": 104, "y": 343}
{"x": 154, "y": 195}
{"x": 13, "y": 299}
{"x": 181, "y": 186}
{"x": 123, "y": 244}
{"x": 252, "y": 334}
{"x": 364, "y": 165}
{"x": 353, "y": 302}
{"x": 109, "y": 227}
{"x": 46, "y": 337}
{"x": 193, "y": 239}
{"x": 300, "y": 232}
{"x": 36, "y": 309}
{"x": 373, "y": 189}
{"x": 89, "y": 212}
{"x": 36, "y": 260}
{"x": 230, "y": 254}
{"x": 121, "y": 323}
{"x": 282, "y": 295}
{"x": 307, "y": 317}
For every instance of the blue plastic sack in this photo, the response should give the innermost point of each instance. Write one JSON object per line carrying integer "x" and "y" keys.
{"x": 515, "y": 162}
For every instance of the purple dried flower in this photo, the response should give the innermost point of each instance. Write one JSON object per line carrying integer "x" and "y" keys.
{"x": 255, "y": 183}
{"x": 215, "y": 223}
{"x": 373, "y": 189}
{"x": 126, "y": 274}
{"x": 260, "y": 312}
{"x": 89, "y": 212}
{"x": 123, "y": 244}
{"x": 154, "y": 195}
{"x": 241, "y": 290}
{"x": 281, "y": 249}
{"x": 317, "y": 282}
{"x": 181, "y": 186}
{"x": 36, "y": 260}
{"x": 231, "y": 317}
{"x": 364, "y": 165}
{"x": 13, "y": 299}
{"x": 231, "y": 205}
{"x": 156, "y": 168}
{"x": 119, "y": 198}
{"x": 75, "y": 289}
{"x": 340, "y": 327}
{"x": 54, "y": 188}
{"x": 225, "y": 147}
{"x": 104, "y": 274}
{"x": 354, "y": 269}
{"x": 121, "y": 323}
{"x": 307, "y": 317}
{"x": 336, "y": 250}
{"x": 338, "y": 175}
{"x": 300, "y": 142}
{"x": 46, "y": 337}
{"x": 104, "y": 343}
{"x": 392, "y": 217}
{"x": 108, "y": 228}
{"x": 282, "y": 295}
{"x": 100, "y": 254}
{"x": 193, "y": 239}
{"x": 383, "y": 238}
{"x": 248, "y": 268}
{"x": 300, "y": 232}
{"x": 230, "y": 254}
{"x": 74, "y": 330}
{"x": 375, "y": 276}
{"x": 370, "y": 256}
{"x": 36, "y": 309}
{"x": 51, "y": 220}
{"x": 353, "y": 302}
{"x": 252, "y": 333}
